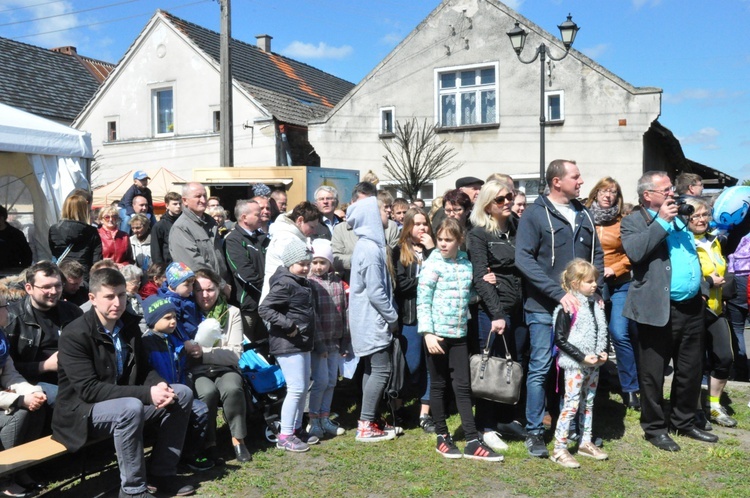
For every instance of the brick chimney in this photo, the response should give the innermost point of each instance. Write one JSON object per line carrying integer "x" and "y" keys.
{"x": 264, "y": 42}
{"x": 65, "y": 50}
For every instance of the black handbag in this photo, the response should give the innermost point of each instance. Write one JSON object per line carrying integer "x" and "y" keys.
{"x": 496, "y": 379}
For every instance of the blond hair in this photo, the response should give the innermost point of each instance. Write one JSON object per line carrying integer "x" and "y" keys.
{"x": 576, "y": 272}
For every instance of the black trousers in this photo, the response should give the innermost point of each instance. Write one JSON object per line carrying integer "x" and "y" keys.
{"x": 453, "y": 366}
{"x": 682, "y": 341}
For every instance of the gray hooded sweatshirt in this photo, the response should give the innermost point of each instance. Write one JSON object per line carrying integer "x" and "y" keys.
{"x": 372, "y": 308}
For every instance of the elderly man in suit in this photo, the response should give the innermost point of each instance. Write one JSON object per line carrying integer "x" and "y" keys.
{"x": 665, "y": 299}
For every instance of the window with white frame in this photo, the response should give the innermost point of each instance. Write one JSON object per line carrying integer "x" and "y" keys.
{"x": 387, "y": 121}
{"x": 467, "y": 96}
{"x": 554, "y": 106}
{"x": 528, "y": 184}
{"x": 163, "y": 111}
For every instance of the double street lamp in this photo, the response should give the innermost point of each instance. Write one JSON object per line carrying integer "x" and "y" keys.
{"x": 517, "y": 35}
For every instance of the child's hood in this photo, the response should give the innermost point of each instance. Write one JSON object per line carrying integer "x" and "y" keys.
{"x": 364, "y": 218}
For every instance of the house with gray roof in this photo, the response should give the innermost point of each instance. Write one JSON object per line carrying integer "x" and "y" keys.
{"x": 458, "y": 72}
{"x": 55, "y": 84}
{"x": 160, "y": 107}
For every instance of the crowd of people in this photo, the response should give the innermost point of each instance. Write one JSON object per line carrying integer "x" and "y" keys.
{"x": 140, "y": 321}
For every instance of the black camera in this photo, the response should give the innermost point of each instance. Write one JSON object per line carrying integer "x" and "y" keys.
{"x": 683, "y": 208}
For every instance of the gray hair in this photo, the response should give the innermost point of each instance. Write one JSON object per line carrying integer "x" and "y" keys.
{"x": 190, "y": 186}
{"x": 646, "y": 182}
{"x": 242, "y": 207}
{"x": 330, "y": 190}
{"x": 131, "y": 272}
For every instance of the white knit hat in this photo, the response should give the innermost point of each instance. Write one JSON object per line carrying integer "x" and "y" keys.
{"x": 294, "y": 252}
{"x": 322, "y": 249}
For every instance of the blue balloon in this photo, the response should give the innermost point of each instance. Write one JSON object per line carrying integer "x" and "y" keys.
{"x": 731, "y": 207}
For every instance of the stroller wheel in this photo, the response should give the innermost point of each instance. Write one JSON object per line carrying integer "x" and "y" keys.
{"x": 272, "y": 434}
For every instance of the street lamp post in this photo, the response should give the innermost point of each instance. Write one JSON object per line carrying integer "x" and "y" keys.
{"x": 517, "y": 36}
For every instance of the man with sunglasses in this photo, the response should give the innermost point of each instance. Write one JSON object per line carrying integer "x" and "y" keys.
{"x": 553, "y": 231}
{"x": 35, "y": 326}
{"x": 665, "y": 299}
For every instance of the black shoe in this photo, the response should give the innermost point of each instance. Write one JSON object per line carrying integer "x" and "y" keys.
{"x": 512, "y": 430}
{"x": 664, "y": 442}
{"x": 697, "y": 434}
{"x": 24, "y": 480}
{"x": 632, "y": 401}
{"x": 427, "y": 424}
{"x": 198, "y": 463}
{"x": 212, "y": 453}
{"x": 170, "y": 486}
{"x": 240, "y": 450}
{"x": 536, "y": 447}
{"x": 701, "y": 421}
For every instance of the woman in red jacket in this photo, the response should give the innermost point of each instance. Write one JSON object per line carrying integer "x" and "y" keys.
{"x": 115, "y": 242}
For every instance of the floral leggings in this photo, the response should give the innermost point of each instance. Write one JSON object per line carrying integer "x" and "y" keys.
{"x": 579, "y": 384}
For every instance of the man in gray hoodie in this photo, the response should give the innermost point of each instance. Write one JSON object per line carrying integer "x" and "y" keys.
{"x": 372, "y": 312}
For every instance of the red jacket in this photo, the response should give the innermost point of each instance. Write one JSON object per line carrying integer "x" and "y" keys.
{"x": 116, "y": 246}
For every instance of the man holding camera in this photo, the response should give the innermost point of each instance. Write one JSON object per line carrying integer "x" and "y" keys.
{"x": 665, "y": 299}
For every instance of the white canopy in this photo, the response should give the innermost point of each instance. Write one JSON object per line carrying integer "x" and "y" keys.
{"x": 41, "y": 162}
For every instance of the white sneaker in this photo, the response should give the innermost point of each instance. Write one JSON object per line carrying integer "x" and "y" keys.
{"x": 492, "y": 439}
{"x": 331, "y": 428}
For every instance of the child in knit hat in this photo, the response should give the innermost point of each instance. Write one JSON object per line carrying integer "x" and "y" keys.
{"x": 331, "y": 338}
{"x": 161, "y": 318}
{"x": 178, "y": 288}
{"x": 289, "y": 310}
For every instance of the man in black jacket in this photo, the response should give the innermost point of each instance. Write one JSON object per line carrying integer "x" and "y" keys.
{"x": 107, "y": 388}
{"x": 160, "y": 233}
{"x": 15, "y": 251}
{"x": 35, "y": 325}
{"x": 245, "y": 249}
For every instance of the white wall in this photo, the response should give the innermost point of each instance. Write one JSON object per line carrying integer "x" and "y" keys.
{"x": 595, "y": 101}
{"x": 161, "y": 59}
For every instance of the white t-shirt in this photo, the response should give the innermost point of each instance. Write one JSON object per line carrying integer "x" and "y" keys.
{"x": 567, "y": 211}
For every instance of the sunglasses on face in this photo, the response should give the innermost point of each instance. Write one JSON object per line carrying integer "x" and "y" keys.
{"x": 502, "y": 199}
{"x": 108, "y": 217}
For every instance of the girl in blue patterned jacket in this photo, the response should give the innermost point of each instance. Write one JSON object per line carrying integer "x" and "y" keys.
{"x": 442, "y": 311}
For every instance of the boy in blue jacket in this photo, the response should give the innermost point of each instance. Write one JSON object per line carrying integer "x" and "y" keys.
{"x": 161, "y": 317}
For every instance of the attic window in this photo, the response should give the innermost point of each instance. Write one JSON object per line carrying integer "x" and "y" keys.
{"x": 111, "y": 131}
{"x": 163, "y": 111}
{"x": 467, "y": 96}
{"x": 217, "y": 121}
{"x": 386, "y": 121}
{"x": 305, "y": 102}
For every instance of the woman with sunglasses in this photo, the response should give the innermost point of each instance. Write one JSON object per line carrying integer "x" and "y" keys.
{"x": 491, "y": 245}
{"x": 719, "y": 333}
{"x": 605, "y": 204}
{"x": 115, "y": 242}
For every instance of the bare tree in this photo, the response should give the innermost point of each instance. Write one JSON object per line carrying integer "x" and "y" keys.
{"x": 415, "y": 156}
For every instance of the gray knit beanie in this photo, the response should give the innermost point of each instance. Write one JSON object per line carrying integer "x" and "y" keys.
{"x": 295, "y": 252}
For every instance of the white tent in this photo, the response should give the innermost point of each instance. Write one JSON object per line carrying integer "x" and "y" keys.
{"x": 41, "y": 162}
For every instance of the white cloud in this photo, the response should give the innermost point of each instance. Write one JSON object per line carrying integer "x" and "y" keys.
{"x": 706, "y": 137}
{"x": 322, "y": 50}
{"x": 514, "y": 4}
{"x": 391, "y": 39}
{"x": 702, "y": 94}
{"x": 55, "y": 26}
{"x": 596, "y": 51}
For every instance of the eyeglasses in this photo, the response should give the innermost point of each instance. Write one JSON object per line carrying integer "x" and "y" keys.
{"x": 326, "y": 199}
{"x": 108, "y": 217}
{"x": 665, "y": 192}
{"x": 454, "y": 211}
{"x": 609, "y": 191}
{"x": 502, "y": 199}
{"x": 700, "y": 216}
{"x": 47, "y": 288}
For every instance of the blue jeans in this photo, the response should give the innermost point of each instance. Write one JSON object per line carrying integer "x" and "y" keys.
{"x": 540, "y": 362}
{"x": 296, "y": 370}
{"x": 325, "y": 371}
{"x": 414, "y": 354}
{"x": 624, "y": 335}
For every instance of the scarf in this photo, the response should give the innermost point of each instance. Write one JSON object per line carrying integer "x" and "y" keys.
{"x": 602, "y": 216}
{"x": 220, "y": 312}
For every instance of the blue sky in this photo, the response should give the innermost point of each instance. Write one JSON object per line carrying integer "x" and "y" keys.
{"x": 694, "y": 50}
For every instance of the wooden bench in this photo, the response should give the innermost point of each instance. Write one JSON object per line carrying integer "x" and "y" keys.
{"x": 29, "y": 454}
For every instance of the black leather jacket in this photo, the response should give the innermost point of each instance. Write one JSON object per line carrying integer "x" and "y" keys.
{"x": 24, "y": 335}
